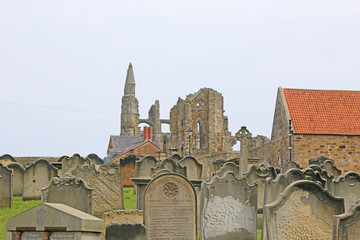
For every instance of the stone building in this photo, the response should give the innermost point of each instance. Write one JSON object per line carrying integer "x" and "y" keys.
{"x": 320, "y": 123}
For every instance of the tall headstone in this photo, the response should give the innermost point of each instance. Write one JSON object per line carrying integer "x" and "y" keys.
{"x": 70, "y": 191}
{"x": 243, "y": 135}
{"x": 347, "y": 187}
{"x": 347, "y": 225}
{"x": 5, "y": 187}
{"x": 229, "y": 208}
{"x": 37, "y": 176}
{"x": 107, "y": 190}
{"x": 125, "y": 231}
{"x": 193, "y": 168}
{"x": 170, "y": 208}
{"x": 18, "y": 178}
{"x": 304, "y": 210}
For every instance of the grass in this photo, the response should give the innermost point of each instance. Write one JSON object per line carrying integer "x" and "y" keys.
{"x": 19, "y": 206}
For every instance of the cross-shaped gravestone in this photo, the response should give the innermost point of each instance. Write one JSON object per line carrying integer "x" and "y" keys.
{"x": 243, "y": 135}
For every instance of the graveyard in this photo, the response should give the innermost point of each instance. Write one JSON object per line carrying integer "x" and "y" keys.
{"x": 179, "y": 198}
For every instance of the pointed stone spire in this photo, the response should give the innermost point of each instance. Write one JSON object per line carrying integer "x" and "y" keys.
{"x": 129, "y": 89}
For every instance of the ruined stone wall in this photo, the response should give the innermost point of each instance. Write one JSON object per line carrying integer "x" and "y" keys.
{"x": 279, "y": 149}
{"x": 344, "y": 150}
{"x": 201, "y": 112}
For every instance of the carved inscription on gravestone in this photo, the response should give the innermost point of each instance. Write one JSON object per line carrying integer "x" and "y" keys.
{"x": 170, "y": 208}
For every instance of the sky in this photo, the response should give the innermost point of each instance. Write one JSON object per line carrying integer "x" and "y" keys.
{"x": 63, "y": 63}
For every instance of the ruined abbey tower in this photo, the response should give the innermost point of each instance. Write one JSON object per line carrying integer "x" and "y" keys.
{"x": 197, "y": 124}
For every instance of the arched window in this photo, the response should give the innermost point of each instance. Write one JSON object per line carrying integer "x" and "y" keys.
{"x": 201, "y": 131}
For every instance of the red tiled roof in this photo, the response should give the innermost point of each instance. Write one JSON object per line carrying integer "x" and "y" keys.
{"x": 324, "y": 111}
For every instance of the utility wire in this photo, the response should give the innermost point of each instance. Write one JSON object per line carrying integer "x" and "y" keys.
{"x": 57, "y": 108}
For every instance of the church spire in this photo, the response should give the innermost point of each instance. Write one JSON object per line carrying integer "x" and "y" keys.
{"x": 129, "y": 89}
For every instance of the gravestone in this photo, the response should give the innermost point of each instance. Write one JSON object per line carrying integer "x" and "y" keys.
{"x": 171, "y": 165}
{"x": 227, "y": 167}
{"x": 257, "y": 174}
{"x": 54, "y": 221}
{"x": 218, "y": 164}
{"x": 127, "y": 169}
{"x": 71, "y": 191}
{"x": 18, "y": 178}
{"x": 289, "y": 165}
{"x": 5, "y": 187}
{"x": 319, "y": 160}
{"x": 243, "y": 135}
{"x": 193, "y": 168}
{"x": 347, "y": 187}
{"x": 7, "y": 159}
{"x": 125, "y": 231}
{"x": 304, "y": 210}
{"x": 121, "y": 216}
{"x": 95, "y": 159}
{"x": 107, "y": 190}
{"x": 37, "y": 176}
{"x": 229, "y": 208}
{"x": 170, "y": 208}
{"x": 347, "y": 225}
{"x": 273, "y": 189}
{"x": 330, "y": 168}
{"x": 78, "y": 166}
{"x": 315, "y": 176}
{"x": 143, "y": 167}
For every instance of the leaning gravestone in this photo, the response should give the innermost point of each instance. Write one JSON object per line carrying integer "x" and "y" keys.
{"x": 304, "y": 210}
{"x": 108, "y": 190}
{"x": 170, "y": 208}
{"x": 37, "y": 176}
{"x": 5, "y": 187}
{"x": 193, "y": 168}
{"x": 18, "y": 178}
{"x": 347, "y": 187}
{"x": 125, "y": 231}
{"x": 71, "y": 191}
{"x": 229, "y": 208}
{"x": 78, "y": 166}
{"x": 347, "y": 225}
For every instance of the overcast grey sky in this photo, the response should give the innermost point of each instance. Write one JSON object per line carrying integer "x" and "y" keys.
{"x": 63, "y": 63}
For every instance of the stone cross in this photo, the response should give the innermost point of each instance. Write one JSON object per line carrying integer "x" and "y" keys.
{"x": 243, "y": 135}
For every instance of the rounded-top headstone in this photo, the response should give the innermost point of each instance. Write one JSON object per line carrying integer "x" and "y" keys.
{"x": 170, "y": 208}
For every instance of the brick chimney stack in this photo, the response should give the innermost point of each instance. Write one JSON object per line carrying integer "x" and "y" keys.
{"x": 146, "y": 133}
{"x": 150, "y": 133}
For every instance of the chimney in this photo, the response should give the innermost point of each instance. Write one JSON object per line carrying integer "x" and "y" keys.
{"x": 150, "y": 133}
{"x": 146, "y": 136}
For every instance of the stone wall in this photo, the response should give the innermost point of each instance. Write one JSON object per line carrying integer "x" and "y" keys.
{"x": 259, "y": 148}
{"x": 344, "y": 150}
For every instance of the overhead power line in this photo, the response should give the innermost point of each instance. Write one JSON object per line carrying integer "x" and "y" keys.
{"x": 57, "y": 108}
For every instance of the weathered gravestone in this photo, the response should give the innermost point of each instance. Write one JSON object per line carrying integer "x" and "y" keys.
{"x": 258, "y": 174}
{"x": 315, "y": 176}
{"x": 170, "y": 208}
{"x": 107, "y": 190}
{"x": 18, "y": 178}
{"x": 193, "y": 168}
{"x": 7, "y": 159}
{"x": 171, "y": 165}
{"x": 227, "y": 167}
{"x": 95, "y": 159}
{"x": 54, "y": 221}
{"x": 273, "y": 189}
{"x": 347, "y": 225}
{"x": 319, "y": 160}
{"x": 71, "y": 191}
{"x": 37, "y": 176}
{"x": 125, "y": 231}
{"x": 121, "y": 216}
{"x": 5, "y": 187}
{"x": 304, "y": 210}
{"x": 347, "y": 187}
{"x": 229, "y": 208}
{"x": 330, "y": 168}
{"x": 78, "y": 166}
